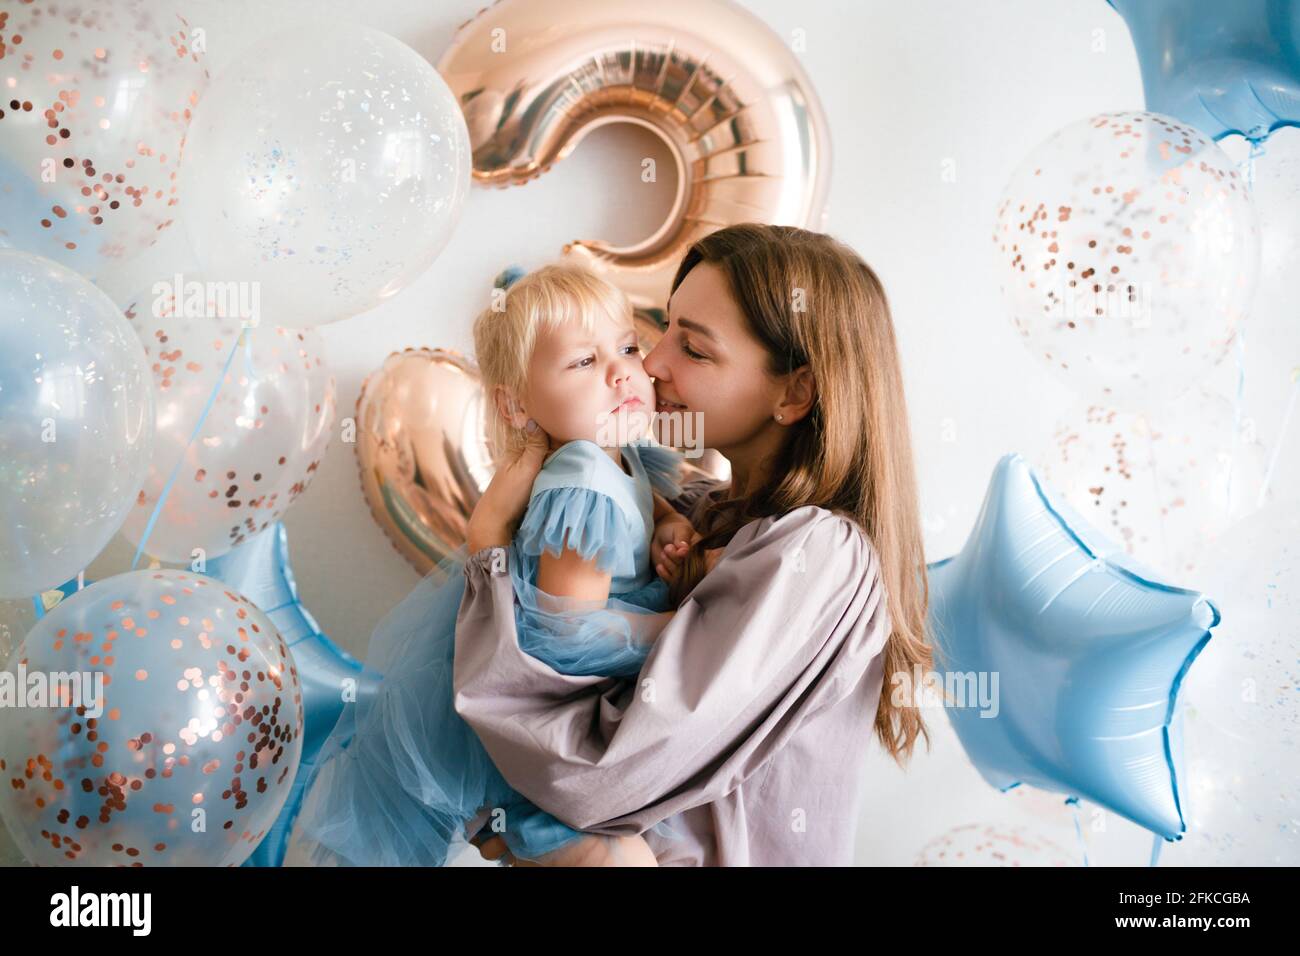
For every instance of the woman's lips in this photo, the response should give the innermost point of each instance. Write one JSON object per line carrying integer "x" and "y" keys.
{"x": 664, "y": 406}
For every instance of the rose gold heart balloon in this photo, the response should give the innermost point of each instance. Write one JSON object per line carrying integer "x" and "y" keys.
{"x": 725, "y": 93}
{"x": 422, "y": 450}
{"x": 423, "y": 453}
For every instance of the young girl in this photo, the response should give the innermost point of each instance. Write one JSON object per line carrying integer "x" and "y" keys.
{"x": 402, "y": 779}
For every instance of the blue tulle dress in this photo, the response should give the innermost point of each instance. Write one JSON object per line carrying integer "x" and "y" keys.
{"x": 402, "y": 776}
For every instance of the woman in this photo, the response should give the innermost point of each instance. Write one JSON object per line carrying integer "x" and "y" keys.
{"x": 749, "y": 721}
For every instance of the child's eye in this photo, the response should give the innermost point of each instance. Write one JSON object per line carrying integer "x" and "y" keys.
{"x": 632, "y": 348}
{"x": 582, "y": 363}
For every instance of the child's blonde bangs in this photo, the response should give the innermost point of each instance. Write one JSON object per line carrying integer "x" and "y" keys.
{"x": 554, "y": 296}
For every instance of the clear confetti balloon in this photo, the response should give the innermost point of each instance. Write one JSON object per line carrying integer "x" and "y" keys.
{"x": 177, "y": 746}
{"x": 95, "y": 102}
{"x": 1127, "y": 251}
{"x": 1242, "y": 720}
{"x": 263, "y": 438}
{"x": 1164, "y": 484}
{"x": 330, "y": 163}
{"x": 76, "y": 422}
{"x": 984, "y": 844}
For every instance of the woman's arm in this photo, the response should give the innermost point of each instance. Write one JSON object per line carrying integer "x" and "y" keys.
{"x": 784, "y": 626}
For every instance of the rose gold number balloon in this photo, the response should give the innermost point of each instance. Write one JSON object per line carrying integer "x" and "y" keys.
{"x": 422, "y": 448}
{"x": 725, "y": 93}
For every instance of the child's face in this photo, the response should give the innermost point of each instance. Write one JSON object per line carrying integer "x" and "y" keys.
{"x": 576, "y": 382}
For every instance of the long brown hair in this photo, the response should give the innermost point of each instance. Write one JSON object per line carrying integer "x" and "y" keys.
{"x": 810, "y": 299}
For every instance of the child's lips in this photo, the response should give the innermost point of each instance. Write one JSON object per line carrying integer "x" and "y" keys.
{"x": 631, "y": 403}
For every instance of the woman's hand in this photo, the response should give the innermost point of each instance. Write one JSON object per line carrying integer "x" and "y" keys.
{"x": 504, "y": 502}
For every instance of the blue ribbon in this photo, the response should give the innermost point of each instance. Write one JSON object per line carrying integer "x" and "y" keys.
{"x": 198, "y": 427}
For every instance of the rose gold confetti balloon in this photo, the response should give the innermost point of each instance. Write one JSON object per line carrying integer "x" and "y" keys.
{"x": 95, "y": 101}
{"x": 1127, "y": 250}
{"x": 1163, "y": 483}
{"x": 262, "y": 440}
{"x": 178, "y": 742}
{"x": 725, "y": 93}
{"x": 980, "y": 844}
{"x": 422, "y": 448}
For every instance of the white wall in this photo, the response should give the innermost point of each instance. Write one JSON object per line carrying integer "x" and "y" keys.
{"x": 908, "y": 87}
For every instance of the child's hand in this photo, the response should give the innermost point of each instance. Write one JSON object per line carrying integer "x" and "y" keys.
{"x": 672, "y": 538}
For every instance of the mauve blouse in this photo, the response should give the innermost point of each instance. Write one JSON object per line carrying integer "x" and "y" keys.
{"x": 748, "y": 724}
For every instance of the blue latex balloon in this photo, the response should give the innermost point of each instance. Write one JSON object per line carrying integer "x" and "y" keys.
{"x": 1222, "y": 67}
{"x": 259, "y": 569}
{"x": 1088, "y": 649}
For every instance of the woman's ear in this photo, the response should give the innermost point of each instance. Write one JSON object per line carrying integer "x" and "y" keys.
{"x": 509, "y": 408}
{"x": 800, "y": 395}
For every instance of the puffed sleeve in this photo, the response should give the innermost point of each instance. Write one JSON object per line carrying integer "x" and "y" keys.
{"x": 592, "y": 522}
{"x": 784, "y": 627}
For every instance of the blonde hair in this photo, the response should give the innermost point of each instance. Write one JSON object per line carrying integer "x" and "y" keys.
{"x": 506, "y": 333}
{"x": 852, "y": 454}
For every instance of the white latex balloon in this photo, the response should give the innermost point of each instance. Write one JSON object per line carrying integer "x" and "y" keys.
{"x": 261, "y": 442}
{"x": 1127, "y": 250}
{"x": 76, "y": 422}
{"x": 330, "y": 164}
{"x": 1242, "y": 720}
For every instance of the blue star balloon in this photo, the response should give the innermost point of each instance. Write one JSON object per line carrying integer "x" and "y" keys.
{"x": 259, "y": 569}
{"x": 1222, "y": 67}
{"x": 1061, "y": 657}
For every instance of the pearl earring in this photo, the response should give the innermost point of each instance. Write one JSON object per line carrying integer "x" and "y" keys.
{"x": 780, "y": 418}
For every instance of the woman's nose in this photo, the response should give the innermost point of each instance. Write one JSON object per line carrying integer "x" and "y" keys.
{"x": 653, "y": 366}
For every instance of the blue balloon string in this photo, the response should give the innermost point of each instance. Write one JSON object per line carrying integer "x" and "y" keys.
{"x": 148, "y": 528}
{"x": 1157, "y": 841}
{"x": 1078, "y": 830}
{"x": 1238, "y": 403}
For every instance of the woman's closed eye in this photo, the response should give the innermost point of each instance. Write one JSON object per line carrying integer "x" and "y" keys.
{"x": 690, "y": 352}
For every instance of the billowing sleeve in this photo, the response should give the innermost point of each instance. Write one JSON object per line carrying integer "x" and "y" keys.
{"x": 591, "y": 521}
{"x": 784, "y": 627}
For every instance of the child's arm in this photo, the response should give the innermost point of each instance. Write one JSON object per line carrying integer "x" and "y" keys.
{"x": 673, "y": 535}
{"x": 570, "y": 576}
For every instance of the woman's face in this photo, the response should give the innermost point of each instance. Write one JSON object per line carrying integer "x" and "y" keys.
{"x": 710, "y": 372}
